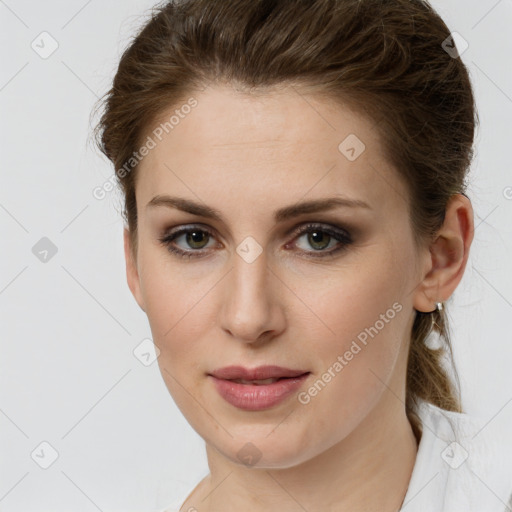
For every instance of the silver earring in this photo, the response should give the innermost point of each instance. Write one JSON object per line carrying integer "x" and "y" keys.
{"x": 439, "y": 307}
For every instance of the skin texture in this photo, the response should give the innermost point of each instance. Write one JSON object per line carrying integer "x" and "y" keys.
{"x": 351, "y": 447}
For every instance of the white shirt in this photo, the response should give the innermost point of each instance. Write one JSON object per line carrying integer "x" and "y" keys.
{"x": 463, "y": 464}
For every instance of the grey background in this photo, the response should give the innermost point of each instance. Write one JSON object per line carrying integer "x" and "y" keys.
{"x": 69, "y": 325}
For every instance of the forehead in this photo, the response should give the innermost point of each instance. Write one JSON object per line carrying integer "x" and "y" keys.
{"x": 275, "y": 146}
{"x": 225, "y": 120}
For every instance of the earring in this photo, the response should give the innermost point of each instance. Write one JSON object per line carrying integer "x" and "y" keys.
{"x": 439, "y": 307}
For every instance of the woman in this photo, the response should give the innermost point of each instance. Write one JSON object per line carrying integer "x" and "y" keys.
{"x": 296, "y": 220}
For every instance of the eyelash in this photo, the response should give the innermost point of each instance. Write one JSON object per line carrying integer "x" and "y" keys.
{"x": 342, "y": 236}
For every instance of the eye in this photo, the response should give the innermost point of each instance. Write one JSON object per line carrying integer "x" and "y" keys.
{"x": 318, "y": 236}
{"x": 195, "y": 237}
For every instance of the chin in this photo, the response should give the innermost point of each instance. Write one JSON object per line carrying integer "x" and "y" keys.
{"x": 276, "y": 450}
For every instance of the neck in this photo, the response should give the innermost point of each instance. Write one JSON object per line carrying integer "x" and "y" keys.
{"x": 369, "y": 470}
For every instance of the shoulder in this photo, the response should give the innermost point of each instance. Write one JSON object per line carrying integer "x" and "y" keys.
{"x": 173, "y": 507}
{"x": 463, "y": 460}
{"x": 193, "y": 491}
{"x": 176, "y": 504}
{"x": 482, "y": 443}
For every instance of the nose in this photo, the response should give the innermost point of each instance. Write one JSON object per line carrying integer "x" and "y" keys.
{"x": 252, "y": 310}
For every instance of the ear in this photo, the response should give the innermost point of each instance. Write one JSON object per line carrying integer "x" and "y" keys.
{"x": 132, "y": 273}
{"x": 448, "y": 255}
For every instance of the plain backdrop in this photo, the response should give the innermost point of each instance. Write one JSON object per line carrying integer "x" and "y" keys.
{"x": 69, "y": 325}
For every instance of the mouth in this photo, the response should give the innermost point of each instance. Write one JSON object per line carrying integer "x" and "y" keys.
{"x": 259, "y": 375}
{"x": 262, "y": 382}
{"x": 256, "y": 394}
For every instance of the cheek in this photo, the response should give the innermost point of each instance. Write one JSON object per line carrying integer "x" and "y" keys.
{"x": 180, "y": 313}
{"x": 170, "y": 296}
{"x": 176, "y": 311}
{"x": 352, "y": 300}
{"x": 366, "y": 327}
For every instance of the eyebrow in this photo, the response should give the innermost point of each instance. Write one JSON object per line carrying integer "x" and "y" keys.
{"x": 288, "y": 212}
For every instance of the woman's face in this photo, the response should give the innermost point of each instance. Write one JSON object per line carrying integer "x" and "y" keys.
{"x": 254, "y": 287}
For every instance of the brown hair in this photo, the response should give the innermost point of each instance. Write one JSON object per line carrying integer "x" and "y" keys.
{"x": 385, "y": 59}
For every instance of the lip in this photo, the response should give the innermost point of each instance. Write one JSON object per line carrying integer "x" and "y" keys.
{"x": 258, "y": 373}
{"x": 254, "y": 397}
